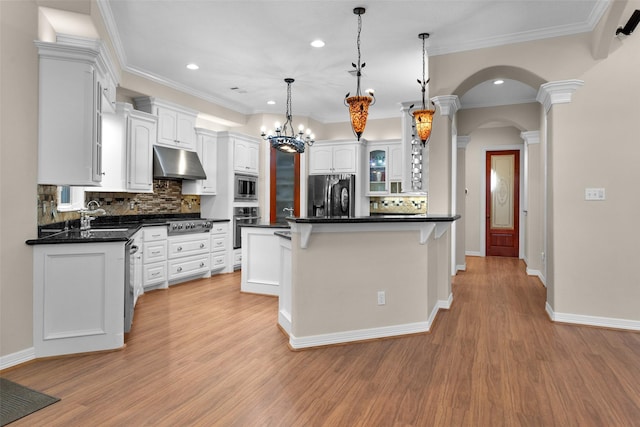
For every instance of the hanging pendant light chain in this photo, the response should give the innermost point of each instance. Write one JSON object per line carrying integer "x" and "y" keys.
{"x": 359, "y": 73}
{"x": 289, "y": 120}
{"x": 424, "y": 83}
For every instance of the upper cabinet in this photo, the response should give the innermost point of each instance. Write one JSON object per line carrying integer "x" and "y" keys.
{"x": 384, "y": 168}
{"x": 176, "y": 124}
{"x": 245, "y": 156}
{"x": 207, "y": 149}
{"x": 333, "y": 158}
{"x": 128, "y": 136}
{"x": 72, "y": 74}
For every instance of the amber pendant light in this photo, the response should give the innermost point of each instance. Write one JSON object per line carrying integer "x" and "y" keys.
{"x": 423, "y": 118}
{"x": 359, "y": 104}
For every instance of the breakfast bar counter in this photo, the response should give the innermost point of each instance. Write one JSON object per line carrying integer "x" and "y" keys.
{"x": 347, "y": 279}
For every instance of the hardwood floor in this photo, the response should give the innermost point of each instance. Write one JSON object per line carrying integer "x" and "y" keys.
{"x": 203, "y": 354}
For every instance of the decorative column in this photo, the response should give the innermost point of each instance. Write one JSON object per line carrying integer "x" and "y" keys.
{"x": 461, "y": 143}
{"x": 533, "y": 204}
{"x": 442, "y": 154}
{"x": 550, "y": 94}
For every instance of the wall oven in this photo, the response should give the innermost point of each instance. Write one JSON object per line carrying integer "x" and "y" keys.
{"x": 246, "y": 188}
{"x": 243, "y": 216}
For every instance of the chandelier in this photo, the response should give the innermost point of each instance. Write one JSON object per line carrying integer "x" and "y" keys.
{"x": 285, "y": 139}
{"x": 423, "y": 119}
{"x": 359, "y": 104}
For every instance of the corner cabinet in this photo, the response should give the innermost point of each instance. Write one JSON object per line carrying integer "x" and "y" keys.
{"x": 333, "y": 158}
{"x": 207, "y": 149}
{"x": 384, "y": 168}
{"x": 176, "y": 124}
{"x": 71, "y": 78}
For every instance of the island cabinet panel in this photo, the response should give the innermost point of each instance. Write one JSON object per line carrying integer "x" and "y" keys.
{"x": 78, "y": 298}
{"x": 261, "y": 260}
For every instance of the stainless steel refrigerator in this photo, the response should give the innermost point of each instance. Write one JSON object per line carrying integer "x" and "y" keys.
{"x": 331, "y": 195}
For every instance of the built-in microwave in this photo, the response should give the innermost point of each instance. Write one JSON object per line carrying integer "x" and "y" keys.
{"x": 246, "y": 187}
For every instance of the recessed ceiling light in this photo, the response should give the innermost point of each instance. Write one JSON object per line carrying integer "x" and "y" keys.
{"x": 271, "y": 102}
{"x": 192, "y": 66}
{"x": 317, "y": 43}
{"x": 498, "y": 82}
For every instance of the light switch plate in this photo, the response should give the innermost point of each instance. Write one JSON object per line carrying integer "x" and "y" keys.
{"x": 594, "y": 194}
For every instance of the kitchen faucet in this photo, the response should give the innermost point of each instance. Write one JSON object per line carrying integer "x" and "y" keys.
{"x": 290, "y": 210}
{"x": 85, "y": 218}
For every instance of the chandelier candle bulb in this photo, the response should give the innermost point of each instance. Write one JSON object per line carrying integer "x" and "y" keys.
{"x": 285, "y": 139}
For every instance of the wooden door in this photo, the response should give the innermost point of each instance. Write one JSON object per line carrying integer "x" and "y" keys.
{"x": 502, "y": 204}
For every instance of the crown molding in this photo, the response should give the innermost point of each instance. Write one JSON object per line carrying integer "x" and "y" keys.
{"x": 531, "y": 137}
{"x": 447, "y": 104}
{"x": 462, "y": 141}
{"x": 558, "y": 92}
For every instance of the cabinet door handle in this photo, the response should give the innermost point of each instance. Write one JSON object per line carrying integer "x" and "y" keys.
{"x": 201, "y": 245}
{"x": 155, "y": 235}
{"x": 179, "y": 248}
{"x": 179, "y": 269}
{"x": 201, "y": 264}
{"x": 155, "y": 252}
{"x": 157, "y": 273}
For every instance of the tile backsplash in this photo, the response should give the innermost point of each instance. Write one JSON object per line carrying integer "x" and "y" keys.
{"x": 166, "y": 198}
{"x": 408, "y": 205}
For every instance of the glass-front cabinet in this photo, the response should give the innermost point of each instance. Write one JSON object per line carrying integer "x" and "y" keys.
{"x": 378, "y": 183}
{"x": 384, "y": 168}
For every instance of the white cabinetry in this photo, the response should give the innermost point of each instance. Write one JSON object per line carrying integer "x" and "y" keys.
{"x": 127, "y": 147}
{"x": 261, "y": 260}
{"x": 188, "y": 255}
{"x": 245, "y": 155}
{"x": 141, "y": 131}
{"x": 70, "y": 112}
{"x": 207, "y": 148}
{"x": 219, "y": 245}
{"x": 154, "y": 257}
{"x": 176, "y": 124}
{"x": 78, "y": 297}
{"x": 384, "y": 168}
{"x": 333, "y": 158}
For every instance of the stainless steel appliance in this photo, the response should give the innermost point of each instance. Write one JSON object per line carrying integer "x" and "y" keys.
{"x": 190, "y": 225}
{"x": 245, "y": 188}
{"x": 129, "y": 273}
{"x": 243, "y": 216}
{"x": 331, "y": 195}
{"x": 173, "y": 163}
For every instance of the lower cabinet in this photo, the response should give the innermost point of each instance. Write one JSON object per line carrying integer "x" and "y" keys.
{"x": 219, "y": 247}
{"x": 261, "y": 259}
{"x": 188, "y": 255}
{"x": 78, "y": 297}
{"x": 154, "y": 258}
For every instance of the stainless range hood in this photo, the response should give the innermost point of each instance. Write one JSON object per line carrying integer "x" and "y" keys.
{"x": 172, "y": 163}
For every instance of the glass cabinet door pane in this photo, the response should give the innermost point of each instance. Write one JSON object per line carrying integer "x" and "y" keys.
{"x": 377, "y": 170}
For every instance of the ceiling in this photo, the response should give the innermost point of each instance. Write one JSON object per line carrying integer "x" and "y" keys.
{"x": 245, "y": 48}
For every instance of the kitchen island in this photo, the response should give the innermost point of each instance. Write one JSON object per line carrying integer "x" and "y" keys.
{"x": 357, "y": 278}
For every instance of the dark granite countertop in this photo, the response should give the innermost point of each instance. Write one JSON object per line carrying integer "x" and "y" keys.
{"x": 374, "y": 219}
{"x": 267, "y": 225}
{"x": 105, "y": 228}
{"x": 283, "y": 234}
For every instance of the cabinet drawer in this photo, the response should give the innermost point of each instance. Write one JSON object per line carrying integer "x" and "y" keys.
{"x": 154, "y": 233}
{"x": 218, "y": 261}
{"x": 237, "y": 258}
{"x": 218, "y": 243}
{"x": 185, "y": 247}
{"x": 154, "y": 251}
{"x": 188, "y": 266}
{"x": 219, "y": 228}
{"x": 154, "y": 273}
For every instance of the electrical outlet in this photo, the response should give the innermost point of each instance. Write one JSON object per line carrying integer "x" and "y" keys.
{"x": 594, "y": 194}
{"x": 381, "y": 298}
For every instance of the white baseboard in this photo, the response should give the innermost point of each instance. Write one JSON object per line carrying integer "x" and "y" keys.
{"x": 261, "y": 288}
{"x": 445, "y": 304}
{"x": 602, "y": 322}
{"x": 538, "y": 274}
{"x": 473, "y": 253}
{"x": 17, "y": 358}
{"x": 461, "y": 267}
